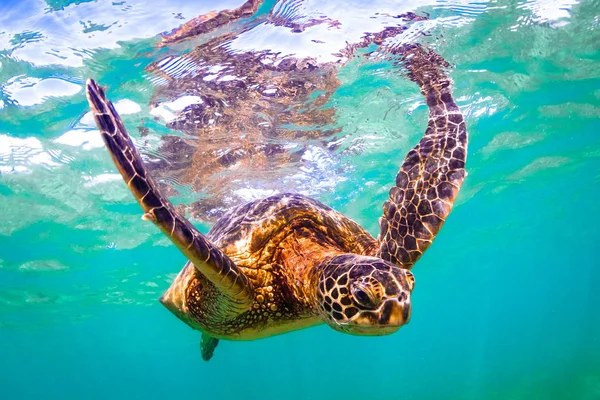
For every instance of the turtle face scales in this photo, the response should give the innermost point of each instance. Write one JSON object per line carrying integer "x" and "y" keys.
{"x": 363, "y": 295}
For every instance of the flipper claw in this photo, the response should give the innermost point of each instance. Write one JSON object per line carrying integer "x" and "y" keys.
{"x": 148, "y": 217}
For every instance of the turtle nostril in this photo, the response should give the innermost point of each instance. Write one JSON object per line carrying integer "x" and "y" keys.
{"x": 402, "y": 297}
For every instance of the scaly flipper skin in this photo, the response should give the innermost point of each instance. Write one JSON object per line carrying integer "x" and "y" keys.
{"x": 432, "y": 172}
{"x": 208, "y": 259}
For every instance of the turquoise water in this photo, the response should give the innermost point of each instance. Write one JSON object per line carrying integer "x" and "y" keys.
{"x": 506, "y": 300}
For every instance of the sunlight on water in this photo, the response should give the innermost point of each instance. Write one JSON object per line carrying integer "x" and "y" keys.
{"x": 302, "y": 97}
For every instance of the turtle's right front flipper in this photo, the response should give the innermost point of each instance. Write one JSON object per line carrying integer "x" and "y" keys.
{"x": 206, "y": 257}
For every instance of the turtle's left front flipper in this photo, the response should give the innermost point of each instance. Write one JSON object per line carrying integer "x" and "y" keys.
{"x": 208, "y": 259}
{"x": 432, "y": 172}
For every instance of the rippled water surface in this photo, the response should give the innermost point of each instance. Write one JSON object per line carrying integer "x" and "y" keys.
{"x": 293, "y": 99}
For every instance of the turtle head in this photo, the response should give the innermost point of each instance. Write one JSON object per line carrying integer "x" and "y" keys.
{"x": 363, "y": 295}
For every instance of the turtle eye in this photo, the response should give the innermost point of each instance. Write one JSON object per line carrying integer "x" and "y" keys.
{"x": 364, "y": 298}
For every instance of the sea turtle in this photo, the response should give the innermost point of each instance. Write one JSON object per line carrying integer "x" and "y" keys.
{"x": 242, "y": 110}
{"x": 287, "y": 261}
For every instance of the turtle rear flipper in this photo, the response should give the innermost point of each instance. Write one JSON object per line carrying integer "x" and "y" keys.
{"x": 432, "y": 172}
{"x": 208, "y": 259}
{"x": 207, "y": 346}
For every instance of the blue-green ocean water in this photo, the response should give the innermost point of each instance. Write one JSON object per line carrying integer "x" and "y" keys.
{"x": 506, "y": 304}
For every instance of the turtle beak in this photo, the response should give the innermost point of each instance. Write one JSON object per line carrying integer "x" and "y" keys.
{"x": 388, "y": 319}
{"x": 406, "y": 311}
{"x": 395, "y": 313}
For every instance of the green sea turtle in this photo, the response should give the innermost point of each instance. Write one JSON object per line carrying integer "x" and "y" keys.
{"x": 288, "y": 262}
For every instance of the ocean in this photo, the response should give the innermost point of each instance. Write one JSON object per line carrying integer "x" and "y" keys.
{"x": 506, "y": 303}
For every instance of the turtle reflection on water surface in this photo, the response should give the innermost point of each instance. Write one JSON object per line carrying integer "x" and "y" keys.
{"x": 246, "y": 114}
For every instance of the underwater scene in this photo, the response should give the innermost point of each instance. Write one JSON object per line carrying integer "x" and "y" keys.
{"x": 231, "y": 102}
